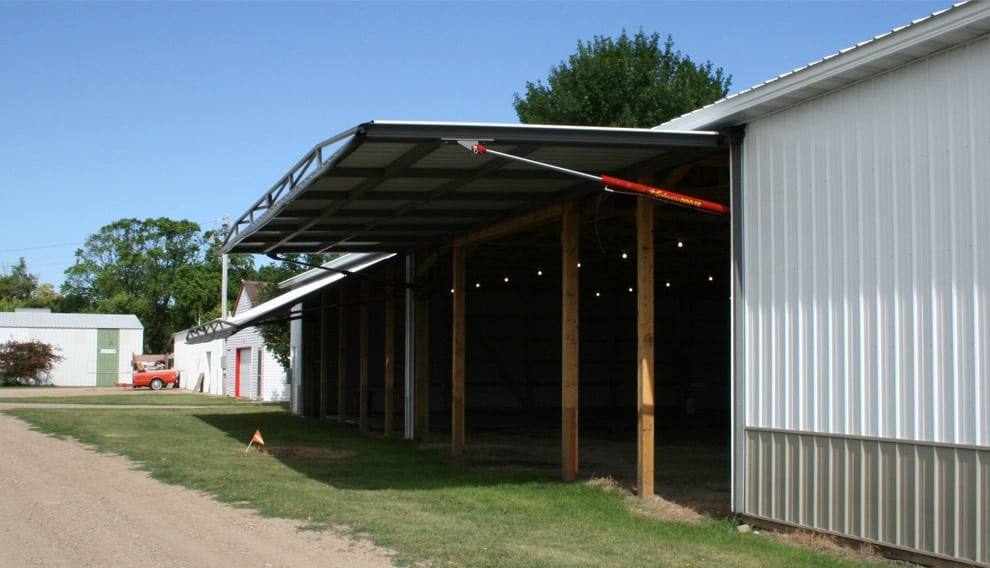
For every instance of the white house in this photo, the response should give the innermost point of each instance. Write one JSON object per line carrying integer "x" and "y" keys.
{"x": 251, "y": 369}
{"x": 96, "y": 348}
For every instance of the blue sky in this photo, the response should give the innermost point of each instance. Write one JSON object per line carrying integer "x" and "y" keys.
{"x": 193, "y": 110}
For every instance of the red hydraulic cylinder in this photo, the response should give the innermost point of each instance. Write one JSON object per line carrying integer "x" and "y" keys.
{"x": 613, "y": 184}
{"x": 617, "y": 185}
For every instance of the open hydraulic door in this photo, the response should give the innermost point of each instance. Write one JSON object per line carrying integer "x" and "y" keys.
{"x": 609, "y": 183}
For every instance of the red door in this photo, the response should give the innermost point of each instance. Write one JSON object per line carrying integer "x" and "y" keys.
{"x": 242, "y": 369}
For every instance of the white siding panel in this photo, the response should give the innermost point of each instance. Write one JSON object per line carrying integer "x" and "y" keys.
{"x": 200, "y": 358}
{"x": 866, "y": 246}
{"x": 865, "y": 263}
{"x": 274, "y": 385}
{"x": 78, "y": 350}
{"x": 266, "y": 378}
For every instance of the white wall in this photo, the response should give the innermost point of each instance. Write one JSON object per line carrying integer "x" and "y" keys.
{"x": 266, "y": 379}
{"x": 863, "y": 309}
{"x": 273, "y": 383}
{"x": 867, "y": 265}
{"x": 205, "y": 358}
{"x": 78, "y": 349}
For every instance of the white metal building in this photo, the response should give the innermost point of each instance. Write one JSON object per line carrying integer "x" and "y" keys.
{"x": 251, "y": 369}
{"x": 204, "y": 359}
{"x": 96, "y": 348}
{"x": 861, "y": 263}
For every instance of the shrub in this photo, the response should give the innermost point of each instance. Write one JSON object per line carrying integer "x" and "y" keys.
{"x": 27, "y": 362}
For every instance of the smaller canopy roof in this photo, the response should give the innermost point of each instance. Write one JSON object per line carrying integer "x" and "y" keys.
{"x": 400, "y": 186}
{"x": 335, "y": 271}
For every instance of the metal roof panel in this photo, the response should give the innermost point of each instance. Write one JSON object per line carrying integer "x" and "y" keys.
{"x": 40, "y": 319}
{"x": 399, "y": 172}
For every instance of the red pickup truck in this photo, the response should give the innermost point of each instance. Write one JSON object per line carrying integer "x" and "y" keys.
{"x": 152, "y": 371}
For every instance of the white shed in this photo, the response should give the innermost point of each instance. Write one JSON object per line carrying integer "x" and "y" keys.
{"x": 861, "y": 265}
{"x": 252, "y": 370}
{"x": 96, "y": 348}
{"x": 200, "y": 359}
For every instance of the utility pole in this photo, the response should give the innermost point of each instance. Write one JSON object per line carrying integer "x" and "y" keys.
{"x": 223, "y": 267}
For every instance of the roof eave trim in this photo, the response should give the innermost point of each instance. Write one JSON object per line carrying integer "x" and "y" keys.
{"x": 285, "y": 190}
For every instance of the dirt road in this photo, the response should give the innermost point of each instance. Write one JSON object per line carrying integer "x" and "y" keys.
{"x": 64, "y": 505}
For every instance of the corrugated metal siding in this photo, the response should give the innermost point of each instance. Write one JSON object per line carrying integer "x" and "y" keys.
{"x": 863, "y": 300}
{"x": 78, "y": 349}
{"x": 908, "y": 495}
{"x": 69, "y": 321}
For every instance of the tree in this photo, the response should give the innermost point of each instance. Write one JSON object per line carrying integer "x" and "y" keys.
{"x": 20, "y": 289}
{"x": 630, "y": 82}
{"x": 140, "y": 267}
{"x": 197, "y": 288}
{"x": 30, "y": 361}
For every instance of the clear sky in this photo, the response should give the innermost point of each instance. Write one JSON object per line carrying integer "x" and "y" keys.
{"x": 193, "y": 110}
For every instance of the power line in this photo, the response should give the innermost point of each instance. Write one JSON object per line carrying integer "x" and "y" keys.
{"x": 40, "y": 247}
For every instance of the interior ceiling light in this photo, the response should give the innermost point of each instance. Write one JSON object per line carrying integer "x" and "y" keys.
{"x": 680, "y": 244}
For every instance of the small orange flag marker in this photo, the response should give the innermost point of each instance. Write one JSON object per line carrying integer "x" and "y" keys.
{"x": 256, "y": 438}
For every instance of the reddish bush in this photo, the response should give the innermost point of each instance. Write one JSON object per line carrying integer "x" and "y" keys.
{"x": 27, "y": 362}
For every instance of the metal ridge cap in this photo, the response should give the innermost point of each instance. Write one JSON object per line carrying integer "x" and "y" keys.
{"x": 836, "y": 64}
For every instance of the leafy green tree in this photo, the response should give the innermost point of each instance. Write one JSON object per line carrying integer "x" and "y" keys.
{"x": 630, "y": 82}
{"x": 197, "y": 289}
{"x": 26, "y": 362}
{"x": 20, "y": 289}
{"x": 140, "y": 267}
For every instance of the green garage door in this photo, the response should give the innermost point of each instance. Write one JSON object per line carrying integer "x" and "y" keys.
{"x": 107, "y": 357}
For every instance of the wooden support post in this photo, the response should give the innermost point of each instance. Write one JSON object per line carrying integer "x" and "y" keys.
{"x": 422, "y": 369}
{"x": 324, "y": 354}
{"x": 363, "y": 411}
{"x": 390, "y": 291}
{"x": 458, "y": 367}
{"x": 569, "y": 238}
{"x": 645, "y": 302}
{"x": 341, "y": 354}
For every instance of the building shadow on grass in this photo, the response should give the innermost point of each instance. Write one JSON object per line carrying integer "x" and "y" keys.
{"x": 342, "y": 457}
{"x": 692, "y": 463}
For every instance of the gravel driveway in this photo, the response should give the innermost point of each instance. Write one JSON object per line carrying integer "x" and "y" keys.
{"x": 62, "y": 504}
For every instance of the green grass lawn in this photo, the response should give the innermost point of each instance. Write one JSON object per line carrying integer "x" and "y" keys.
{"x": 424, "y": 505}
{"x": 142, "y": 398}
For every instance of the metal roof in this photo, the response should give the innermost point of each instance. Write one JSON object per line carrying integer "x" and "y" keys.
{"x": 921, "y": 38}
{"x": 39, "y": 319}
{"x": 333, "y": 271}
{"x": 398, "y": 186}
